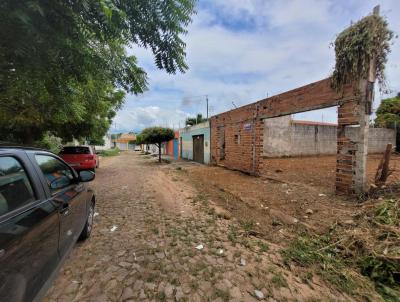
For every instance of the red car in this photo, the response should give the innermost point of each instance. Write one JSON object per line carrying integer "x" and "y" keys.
{"x": 80, "y": 157}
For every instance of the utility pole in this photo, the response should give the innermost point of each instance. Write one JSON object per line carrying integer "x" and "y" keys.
{"x": 207, "y": 104}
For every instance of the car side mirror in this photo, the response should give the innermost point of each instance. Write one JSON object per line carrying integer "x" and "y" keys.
{"x": 85, "y": 176}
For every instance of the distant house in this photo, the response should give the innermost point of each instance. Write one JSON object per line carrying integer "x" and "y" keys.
{"x": 107, "y": 143}
{"x": 195, "y": 142}
{"x": 125, "y": 141}
{"x": 172, "y": 147}
{"x": 153, "y": 148}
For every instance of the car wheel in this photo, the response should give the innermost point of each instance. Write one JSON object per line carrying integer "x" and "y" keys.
{"x": 87, "y": 230}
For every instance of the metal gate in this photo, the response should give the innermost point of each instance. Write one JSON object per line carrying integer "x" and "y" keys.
{"x": 176, "y": 148}
{"x": 198, "y": 148}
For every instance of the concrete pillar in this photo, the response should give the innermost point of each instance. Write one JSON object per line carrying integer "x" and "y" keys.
{"x": 360, "y": 171}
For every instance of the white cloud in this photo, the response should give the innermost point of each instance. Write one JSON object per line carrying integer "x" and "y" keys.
{"x": 142, "y": 117}
{"x": 287, "y": 47}
{"x": 277, "y": 13}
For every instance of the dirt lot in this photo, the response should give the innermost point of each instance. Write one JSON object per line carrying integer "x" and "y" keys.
{"x": 187, "y": 232}
{"x": 300, "y": 195}
{"x": 320, "y": 171}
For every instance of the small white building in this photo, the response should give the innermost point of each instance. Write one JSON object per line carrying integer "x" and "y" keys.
{"x": 107, "y": 143}
{"x": 153, "y": 148}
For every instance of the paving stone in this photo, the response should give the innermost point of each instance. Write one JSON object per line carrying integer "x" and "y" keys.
{"x": 71, "y": 288}
{"x": 179, "y": 293}
{"x": 150, "y": 286}
{"x": 235, "y": 293}
{"x": 186, "y": 289}
{"x": 121, "y": 253}
{"x": 111, "y": 284}
{"x": 109, "y": 266}
{"x": 127, "y": 293}
{"x": 142, "y": 294}
{"x": 138, "y": 285}
{"x": 160, "y": 255}
{"x": 169, "y": 290}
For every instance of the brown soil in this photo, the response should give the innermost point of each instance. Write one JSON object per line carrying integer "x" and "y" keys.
{"x": 152, "y": 254}
{"x": 279, "y": 206}
{"x": 319, "y": 171}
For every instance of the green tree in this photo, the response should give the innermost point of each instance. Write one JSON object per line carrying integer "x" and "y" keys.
{"x": 64, "y": 65}
{"x": 139, "y": 139}
{"x": 157, "y": 136}
{"x": 115, "y": 135}
{"x": 190, "y": 121}
{"x": 388, "y": 113}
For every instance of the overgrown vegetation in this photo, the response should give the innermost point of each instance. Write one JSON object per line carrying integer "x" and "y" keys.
{"x": 190, "y": 121}
{"x": 316, "y": 251}
{"x": 356, "y": 46}
{"x": 65, "y": 68}
{"x": 278, "y": 280}
{"x": 371, "y": 249}
{"x": 388, "y": 113}
{"x": 111, "y": 152}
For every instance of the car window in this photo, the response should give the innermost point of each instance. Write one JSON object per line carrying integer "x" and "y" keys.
{"x": 75, "y": 150}
{"x": 58, "y": 175}
{"x": 15, "y": 188}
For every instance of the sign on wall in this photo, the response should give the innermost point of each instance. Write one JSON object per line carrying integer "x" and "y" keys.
{"x": 247, "y": 127}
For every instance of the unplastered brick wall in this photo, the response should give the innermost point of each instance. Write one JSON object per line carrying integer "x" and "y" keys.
{"x": 346, "y": 166}
{"x": 237, "y": 135}
{"x": 233, "y": 138}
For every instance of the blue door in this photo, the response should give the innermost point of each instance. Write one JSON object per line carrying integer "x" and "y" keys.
{"x": 176, "y": 148}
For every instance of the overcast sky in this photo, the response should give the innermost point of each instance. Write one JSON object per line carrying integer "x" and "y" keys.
{"x": 241, "y": 51}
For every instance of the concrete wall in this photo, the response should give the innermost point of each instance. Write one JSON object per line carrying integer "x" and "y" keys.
{"x": 186, "y": 135}
{"x": 282, "y": 137}
{"x": 107, "y": 143}
{"x": 378, "y": 138}
{"x": 153, "y": 149}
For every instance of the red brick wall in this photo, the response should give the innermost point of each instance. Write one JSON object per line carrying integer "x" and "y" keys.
{"x": 348, "y": 114}
{"x": 243, "y": 127}
{"x": 238, "y": 150}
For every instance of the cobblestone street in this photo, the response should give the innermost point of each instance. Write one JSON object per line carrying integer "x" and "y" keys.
{"x": 156, "y": 239}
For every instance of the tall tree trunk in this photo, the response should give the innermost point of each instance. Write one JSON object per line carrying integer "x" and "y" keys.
{"x": 29, "y": 136}
{"x": 159, "y": 152}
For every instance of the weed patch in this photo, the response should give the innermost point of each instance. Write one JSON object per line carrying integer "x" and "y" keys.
{"x": 278, "y": 280}
{"x": 263, "y": 247}
{"x": 371, "y": 248}
{"x": 111, "y": 152}
{"x": 315, "y": 251}
{"x": 224, "y": 295}
{"x": 247, "y": 225}
{"x": 200, "y": 199}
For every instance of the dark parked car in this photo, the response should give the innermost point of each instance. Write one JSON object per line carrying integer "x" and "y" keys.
{"x": 44, "y": 209}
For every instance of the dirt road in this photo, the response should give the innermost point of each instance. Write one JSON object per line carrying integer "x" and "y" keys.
{"x": 157, "y": 239}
